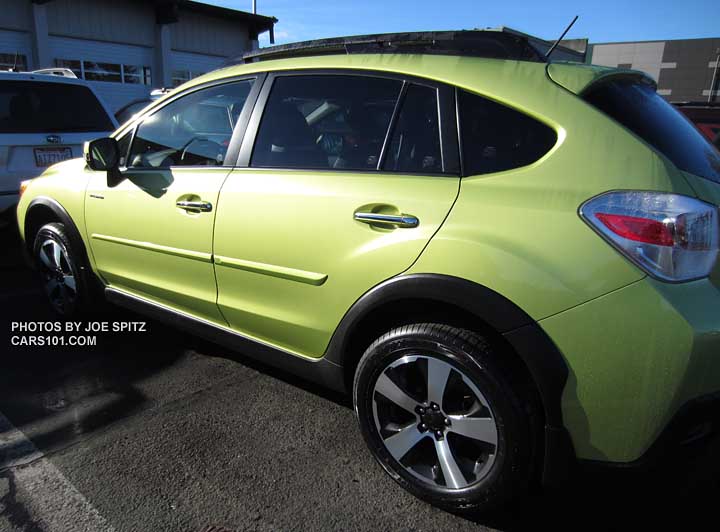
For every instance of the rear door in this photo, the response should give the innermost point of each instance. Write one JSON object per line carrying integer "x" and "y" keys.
{"x": 42, "y": 123}
{"x": 344, "y": 177}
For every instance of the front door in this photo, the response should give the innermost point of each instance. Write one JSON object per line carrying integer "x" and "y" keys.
{"x": 332, "y": 203}
{"x": 151, "y": 233}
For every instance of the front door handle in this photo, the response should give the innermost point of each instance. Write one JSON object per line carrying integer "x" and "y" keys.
{"x": 199, "y": 206}
{"x": 400, "y": 220}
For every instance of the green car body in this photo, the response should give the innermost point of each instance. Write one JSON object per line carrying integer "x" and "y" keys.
{"x": 281, "y": 261}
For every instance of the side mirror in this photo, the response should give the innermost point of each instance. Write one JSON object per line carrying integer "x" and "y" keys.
{"x": 102, "y": 154}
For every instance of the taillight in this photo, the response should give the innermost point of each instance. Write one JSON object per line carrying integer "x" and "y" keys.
{"x": 671, "y": 237}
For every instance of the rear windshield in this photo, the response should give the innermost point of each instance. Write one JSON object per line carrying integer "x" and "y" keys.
{"x": 37, "y": 107}
{"x": 639, "y": 108}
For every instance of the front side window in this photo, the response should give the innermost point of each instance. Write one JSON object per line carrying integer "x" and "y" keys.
{"x": 332, "y": 122}
{"x": 194, "y": 130}
{"x": 496, "y": 138}
{"x": 415, "y": 145}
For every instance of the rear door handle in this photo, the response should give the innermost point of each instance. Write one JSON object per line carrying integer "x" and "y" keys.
{"x": 200, "y": 206}
{"x": 400, "y": 220}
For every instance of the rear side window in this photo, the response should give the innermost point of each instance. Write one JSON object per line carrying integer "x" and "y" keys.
{"x": 334, "y": 122}
{"x": 415, "y": 145}
{"x": 639, "y": 108}
{"x": 496, "y": 138}
{"x": 38, "y": 107}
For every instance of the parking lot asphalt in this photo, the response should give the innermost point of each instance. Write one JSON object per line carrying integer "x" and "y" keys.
{"x": 158, "y": 430}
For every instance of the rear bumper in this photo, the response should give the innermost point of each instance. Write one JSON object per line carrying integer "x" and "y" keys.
{"x": 693, "y": 427}
{"x": 636, "y": 358}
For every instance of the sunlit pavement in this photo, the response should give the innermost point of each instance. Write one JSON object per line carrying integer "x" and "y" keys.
{"x": 161, "y": 431}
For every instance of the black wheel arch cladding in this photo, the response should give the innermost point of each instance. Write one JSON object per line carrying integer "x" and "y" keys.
{"x": 533, "y": 346}
{"x": 40, "y": 209}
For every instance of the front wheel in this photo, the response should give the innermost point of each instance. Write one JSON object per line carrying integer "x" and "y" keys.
{"x": 64, "y": 271}
{"x": 443, "y": 416}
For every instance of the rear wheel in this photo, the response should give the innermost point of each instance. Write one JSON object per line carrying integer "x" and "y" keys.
{"x": 64, "y": 271}
{"x": 443, "y": 417}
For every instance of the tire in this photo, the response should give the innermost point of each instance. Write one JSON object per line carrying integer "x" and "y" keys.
{"x": 68, "y": 281}
{"x": 484, "y": 417}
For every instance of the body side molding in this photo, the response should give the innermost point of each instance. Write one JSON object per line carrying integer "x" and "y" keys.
{"x": 149, "y": 246}
{"x": 291, "y": 274}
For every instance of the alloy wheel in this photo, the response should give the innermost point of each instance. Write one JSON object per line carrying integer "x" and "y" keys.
{"x": 59, "y": 279}
{"x": 435, "y": 421}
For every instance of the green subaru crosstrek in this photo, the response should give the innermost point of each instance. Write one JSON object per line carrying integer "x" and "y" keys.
{"x": 509, "y": 263}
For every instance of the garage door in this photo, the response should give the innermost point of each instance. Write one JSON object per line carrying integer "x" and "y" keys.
{"x": 186, "y": 65}
{"x": 119, "y": 73}
{"x": 12, "y": 42}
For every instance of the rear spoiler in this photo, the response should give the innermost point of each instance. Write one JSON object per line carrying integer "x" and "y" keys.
{"x": 579, "y": 78}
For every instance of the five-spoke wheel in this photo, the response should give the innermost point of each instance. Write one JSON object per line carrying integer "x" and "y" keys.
{"x": 66, "y": 276}
{"x": 435, "y": 421}
{"x": 58, "y": 275}
{"x": 444, "y": 416}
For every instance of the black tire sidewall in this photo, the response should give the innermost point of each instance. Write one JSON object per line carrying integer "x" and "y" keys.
{"x": 509, "y": 473}
{"x": 56, "y": 232}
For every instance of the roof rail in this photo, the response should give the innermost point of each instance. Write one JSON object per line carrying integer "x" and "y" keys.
{"x": 162, "y": 91}
{"x": 497, "y": 44}
{"x": 701, "y": 103}
{"x": 62, "y": 72}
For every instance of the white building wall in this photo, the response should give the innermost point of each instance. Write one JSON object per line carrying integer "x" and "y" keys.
{"x": 118, "y": 21}
{"x": 201, "y": 34}
{"x": 15, "y": 15}
{"x": 195, "y": 63}
{"x": 119, "y": 32}
{"x": 644, "y": 56}
{"x": 16, "y": 41}
{"x": 115, "y": 94}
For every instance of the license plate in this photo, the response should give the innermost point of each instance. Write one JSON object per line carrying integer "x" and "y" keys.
{"x": 49, "y": 156}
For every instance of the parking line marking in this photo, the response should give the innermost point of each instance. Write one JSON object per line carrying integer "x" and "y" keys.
{"x": 50, "y": 499}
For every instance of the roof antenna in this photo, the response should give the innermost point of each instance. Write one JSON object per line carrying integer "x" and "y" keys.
{"x": 552, "y": 48}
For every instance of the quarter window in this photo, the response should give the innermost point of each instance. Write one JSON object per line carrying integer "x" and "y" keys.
{"x": 194, "y": 130}
{"x": 336, "y": 122}
{"x": 415, "y": 145}
{"x": 496, "y": 138}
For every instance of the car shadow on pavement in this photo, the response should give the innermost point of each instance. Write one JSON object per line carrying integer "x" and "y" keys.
{"x": 59, "y": 396}
{"x": 680, "y": 494}
{"x": 681, "y": 491}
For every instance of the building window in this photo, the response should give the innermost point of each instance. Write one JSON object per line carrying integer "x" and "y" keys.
{"x": 108, "y": 72}
{"x": 181, "y": 76}
{"x": 16, "y": 61}
{"x": 137, "y": 74}
{"x": 102, "y": 72}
